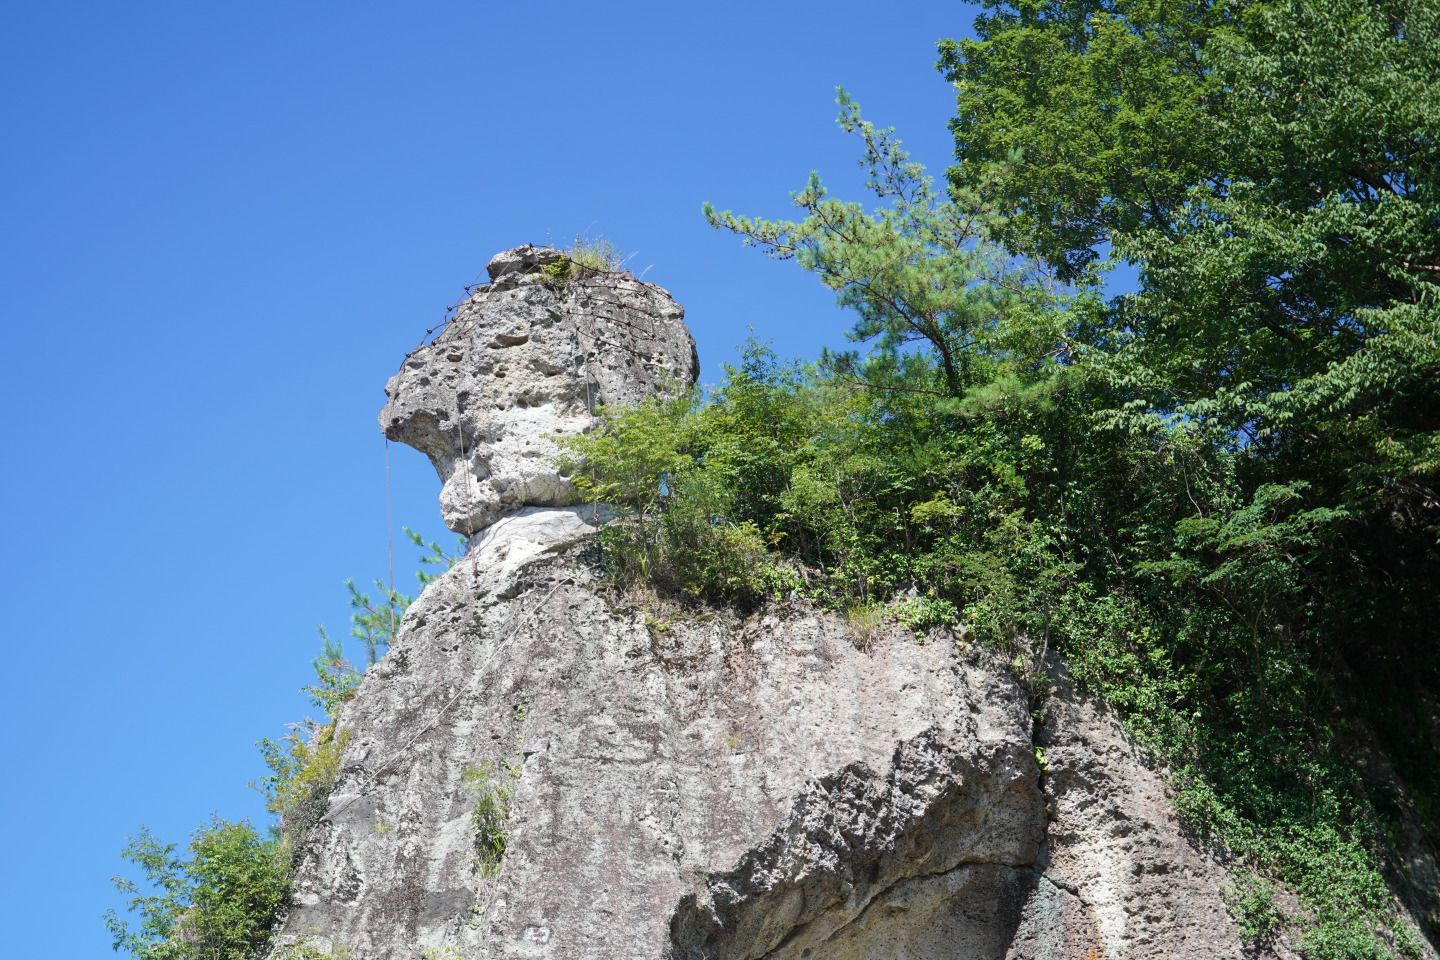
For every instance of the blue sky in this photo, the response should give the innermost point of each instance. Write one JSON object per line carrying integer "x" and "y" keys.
{"x": 221, "y": 226}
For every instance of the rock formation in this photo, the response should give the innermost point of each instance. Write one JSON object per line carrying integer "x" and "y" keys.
{"x": 526, "y": 358}
{"x": 700, "y": 785}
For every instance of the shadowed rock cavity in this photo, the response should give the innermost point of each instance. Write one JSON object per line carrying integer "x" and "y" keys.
{"x": 935, "y": 859}
{"x": 526, "y": 359}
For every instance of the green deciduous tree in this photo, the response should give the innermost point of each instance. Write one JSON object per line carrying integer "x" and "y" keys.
{"x": 1273, "y": 170}
{"x": 216, "y": 903}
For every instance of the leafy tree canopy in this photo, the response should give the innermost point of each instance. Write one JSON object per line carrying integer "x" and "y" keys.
{"x": 1274, "y": 171}
{"x": 217, "y": 903}
{"x": 1218, "y": 495}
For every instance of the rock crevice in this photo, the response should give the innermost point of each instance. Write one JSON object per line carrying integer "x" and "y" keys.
{"x": 851, "y": 837}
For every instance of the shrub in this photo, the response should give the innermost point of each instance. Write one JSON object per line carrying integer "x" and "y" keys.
{"x": 1251, "y": 900}
{"x": 583, "y": 258}
{"x": 492, "y": 784}
{"x": 303, "y": 767}
{"x": 218, "y": 902}
{"x": 922, "y": 613}
{"x": 680, "y": 531}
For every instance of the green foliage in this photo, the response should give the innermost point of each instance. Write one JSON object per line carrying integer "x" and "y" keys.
{"x": 1082, "y": 119}
{"x": 304, "y": 763}
{"x": 922, "y": 613}
{"x": 303, "y": 766}
{"x": 678, "y": 532}
{"x": 433, "y": 555}
{"x": 374, "y": 623}
{"x": 919, "y": 270}
{"x": 790, "y": 478}
{"x": 1251, "y": 900}
{"x": 491, "y": 783}
{"x": 220, "y": 901}
{"x": 1270, "y": 167}
{"x": 217, "y": 902}
{"x": 336, "y": 680}
{"x": 585, "y": 257}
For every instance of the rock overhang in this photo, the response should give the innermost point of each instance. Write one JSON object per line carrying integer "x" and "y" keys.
{"x": 524, "y": 360}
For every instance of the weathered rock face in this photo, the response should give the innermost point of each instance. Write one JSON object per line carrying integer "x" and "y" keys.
{"x": 730, "y": 789}
{"x": 700, "y": 785}
{"x": 523, "y": 360}
{"x": 1114, "y": 838}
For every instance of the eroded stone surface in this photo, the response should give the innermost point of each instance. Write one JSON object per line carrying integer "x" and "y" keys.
{"x": 718, "y": 788}
{"x": 1114, "y": 838}
{"x": 524, "y": 360}
{"x": 948, "y": 799}
{"x": 653, "y": 756}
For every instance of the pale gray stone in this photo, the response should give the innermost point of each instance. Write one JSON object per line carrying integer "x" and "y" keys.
{"x": 525, "y": 361}
{"x": 526, "y": 259}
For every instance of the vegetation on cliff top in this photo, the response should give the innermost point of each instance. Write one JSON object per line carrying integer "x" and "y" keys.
{"x": 1218, "y": 495}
